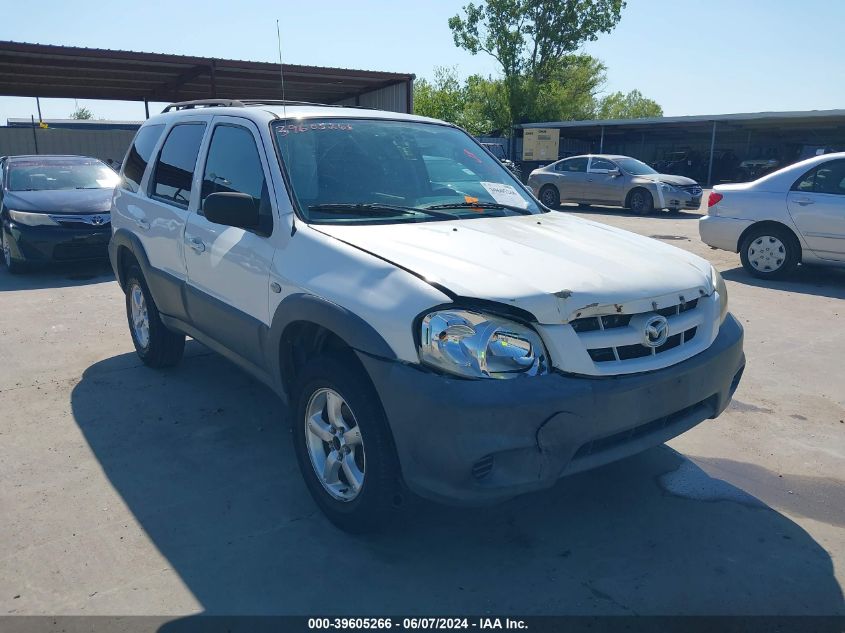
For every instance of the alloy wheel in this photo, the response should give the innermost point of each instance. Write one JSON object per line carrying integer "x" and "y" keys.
{"x": 140, "y": 315}
{"x": 335, "y": 445}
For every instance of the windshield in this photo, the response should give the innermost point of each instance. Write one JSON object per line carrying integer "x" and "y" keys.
{"x": 53, "y": 175}
{"x": 634, "y": 167}
{"x": 368, "y": 170}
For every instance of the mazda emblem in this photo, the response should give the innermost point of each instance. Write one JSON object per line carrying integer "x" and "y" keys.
{"x": 656, "y": 331}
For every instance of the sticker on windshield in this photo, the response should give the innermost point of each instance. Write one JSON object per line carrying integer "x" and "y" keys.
{"x": 505, "y": 194}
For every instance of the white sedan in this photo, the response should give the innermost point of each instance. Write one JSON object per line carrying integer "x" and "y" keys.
{"x": 793, "y": 215}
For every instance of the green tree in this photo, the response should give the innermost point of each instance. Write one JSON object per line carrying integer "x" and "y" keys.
{"x": 82, "y": 113}
{"x": 633, "y": 105}
{"x": 446, "y": 98}
{"x": 533, "y": 40}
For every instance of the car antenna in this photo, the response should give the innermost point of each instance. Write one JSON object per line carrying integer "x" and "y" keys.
{"x": 284, "y": 105}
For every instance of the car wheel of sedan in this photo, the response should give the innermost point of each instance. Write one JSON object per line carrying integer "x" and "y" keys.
{"x": 550, "y": 196}
{"x": 343, "y": 445}
{"x": 769, "y": 253}
{"x": 12, "y": 265}
{"x": 641, "y": 202}
{"x": 156, "y": 345}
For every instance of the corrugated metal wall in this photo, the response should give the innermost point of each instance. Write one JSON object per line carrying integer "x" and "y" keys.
{"x": 102, "y": 144}
{"x": 392, "y": 98}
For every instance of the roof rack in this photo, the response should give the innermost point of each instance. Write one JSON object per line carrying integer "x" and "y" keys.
{"x": 204, "y": 103}
{"x": 241, "y": 103}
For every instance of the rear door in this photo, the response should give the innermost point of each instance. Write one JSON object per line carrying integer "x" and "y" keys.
{"x": 229, "y": 267}
{"x": 817, "y": 206}
{"x": 571, "y": 177}
{"x": 600, "y": 185}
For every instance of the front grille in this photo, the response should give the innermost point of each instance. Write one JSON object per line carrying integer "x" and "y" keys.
{"x": 617, "y": 337}
{"x": 611, "y": 441}
{"x": 693, "y": 190}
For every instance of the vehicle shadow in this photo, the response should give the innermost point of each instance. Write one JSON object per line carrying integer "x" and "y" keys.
{"x": 822, "y": 281}
{"x": 57, "y": 276}
{"x": 686, "y": 214}
{"x": 201, "y": 456}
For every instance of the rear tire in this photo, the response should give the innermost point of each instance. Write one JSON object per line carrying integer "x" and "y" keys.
{"x": 356, "y": 491}
{"x": 641, "y": 202}
{"x": 769, "y": 252}
{"x": 155, "y": 344}
{"x": 550, "y": 196}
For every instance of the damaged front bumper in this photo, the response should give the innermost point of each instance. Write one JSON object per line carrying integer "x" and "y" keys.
{"x": 478, "y": 441}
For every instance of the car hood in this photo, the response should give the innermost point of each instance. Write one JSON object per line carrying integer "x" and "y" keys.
{"x": 62, "y": 201}
{"x": 671, "y": 179}
{"x": 555, "y": 266}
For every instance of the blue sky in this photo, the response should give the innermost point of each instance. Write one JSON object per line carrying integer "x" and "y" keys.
{"x": 692, "y": 56}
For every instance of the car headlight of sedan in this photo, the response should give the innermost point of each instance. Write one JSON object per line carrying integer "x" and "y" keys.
{"x": 722, "y": 291}
{"x": 475, "y": 345}
{"x": 32, "y": 219}
{"x": 667, "y": 187}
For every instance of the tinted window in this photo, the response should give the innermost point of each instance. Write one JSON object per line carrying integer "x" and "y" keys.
{"x": 601, "y": 163}
{"x": 572, "y": 164}
{"x": 233, "y": 166}
{"x": 174, "y": 171}
{"x": 830, "y": 178}
{"x": 805, "y": 182}
{"x": 139, "y": 155}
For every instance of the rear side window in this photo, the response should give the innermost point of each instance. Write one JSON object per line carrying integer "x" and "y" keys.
{"x": 233, "y": 165}
{"x": 825, "y": 178}
{"x": 174, "y": 171}
{"x": 139, "y": 155}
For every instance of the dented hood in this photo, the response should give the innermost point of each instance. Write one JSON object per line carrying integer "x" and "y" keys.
{"x": 557, "y": 267}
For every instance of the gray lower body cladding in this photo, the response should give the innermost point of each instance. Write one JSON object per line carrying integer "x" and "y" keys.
{"x": 480, "y": 441}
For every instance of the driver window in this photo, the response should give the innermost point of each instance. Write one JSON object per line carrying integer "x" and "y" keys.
{"x": 600, "y": 164}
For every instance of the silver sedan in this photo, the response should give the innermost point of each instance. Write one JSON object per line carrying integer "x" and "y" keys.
{"x": 613, "y": 180}
{"x": 793, "y": 215}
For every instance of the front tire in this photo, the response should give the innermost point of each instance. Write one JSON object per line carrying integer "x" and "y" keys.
{"x": 343, "y": 445}
{"x": 550, "y": 196}
{"x": 155, "y": 344}
{"x": 769, "y": 252}
{"x": 641, "y": 202}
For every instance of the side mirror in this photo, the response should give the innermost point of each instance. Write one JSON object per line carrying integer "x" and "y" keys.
{"x": 614, "y": 173}
{"x": 232, "y": 209}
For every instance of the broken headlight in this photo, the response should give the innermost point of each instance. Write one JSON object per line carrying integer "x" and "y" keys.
{"x": 475, "y": 345}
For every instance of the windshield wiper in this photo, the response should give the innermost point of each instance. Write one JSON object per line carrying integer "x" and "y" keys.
{"x": 376, "y": 209}
{"x": 480, "y": 205}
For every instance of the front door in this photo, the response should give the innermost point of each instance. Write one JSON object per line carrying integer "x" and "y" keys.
{"x": 817, "y": 206}
{"x": 229, "y": 267}
{"x": 602, "y": 185}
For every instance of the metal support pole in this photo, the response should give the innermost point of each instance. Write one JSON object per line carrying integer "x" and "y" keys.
{"x": 34, "y": 134}
{"x": 712, "y": 147}
{"x": 38, "y": 105}
{"x": 147, "y": 108}
{"x": 601, "y": 142}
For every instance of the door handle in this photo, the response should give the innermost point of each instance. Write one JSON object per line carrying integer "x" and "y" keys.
{"x": 803, "y": 201}
{"x": 196, "y": 244}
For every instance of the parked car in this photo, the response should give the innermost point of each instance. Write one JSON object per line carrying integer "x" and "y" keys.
{"x": 498, "y": 150}
{"x": 615, "y": 180}
{"x": 54, "y": 208}
{"x": 442, "y": 335}
{"x": 791, "y": 216}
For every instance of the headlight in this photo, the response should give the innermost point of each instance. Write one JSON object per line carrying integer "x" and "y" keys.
{"x": 475, "y": 345}
{"x": 667, "y": 187}
{"x": 32, "y": 219}
{"x": 721, "y": 290}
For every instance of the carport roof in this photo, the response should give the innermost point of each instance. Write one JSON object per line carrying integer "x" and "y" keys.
{"x": 41, "y": 70}
{"x": 746, "y": 119}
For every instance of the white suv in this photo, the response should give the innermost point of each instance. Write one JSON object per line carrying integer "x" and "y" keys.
{"x": 432, "y": 327}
